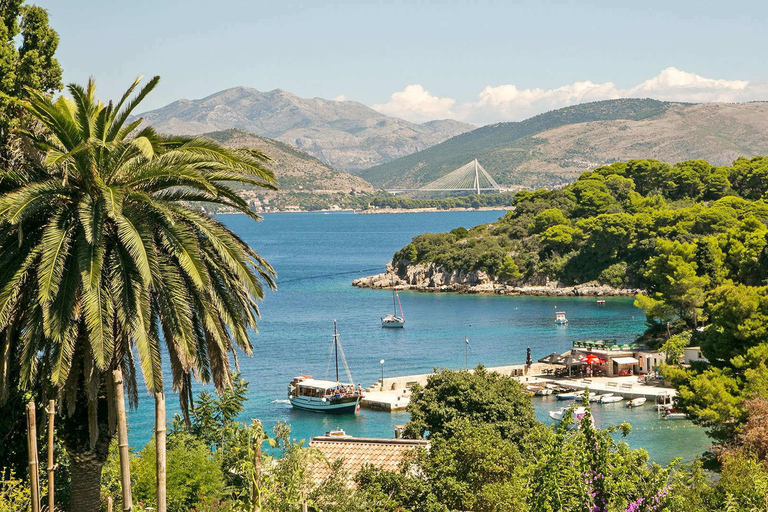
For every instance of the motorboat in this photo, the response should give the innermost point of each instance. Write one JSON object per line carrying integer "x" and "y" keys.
{"x": 573, "y": 395}
{"x": 636, "y": 402}
{"x": 611, "y": 399}
{"x": 672, "y": 414}
{"x": 577, "y": 413}
{"x": 560, "y": 318}
{"x": 597, "y": 398}
{"x": 539, "y": 391}
{"x": 330, "y": 396}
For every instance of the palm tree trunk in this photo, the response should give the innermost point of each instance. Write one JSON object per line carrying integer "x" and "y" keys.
{"x": 34, "y": 473}
{"x": 51, "y": 466}
{"x": 160, "y": 450}
{"x": 86, "y": 484}
{"x": 122, "y": 438}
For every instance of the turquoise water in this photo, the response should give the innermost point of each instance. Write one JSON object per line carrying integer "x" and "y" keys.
{"x": 318, "y": 255}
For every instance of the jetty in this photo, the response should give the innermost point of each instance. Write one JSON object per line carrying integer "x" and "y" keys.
{"x": 394, "y": 393}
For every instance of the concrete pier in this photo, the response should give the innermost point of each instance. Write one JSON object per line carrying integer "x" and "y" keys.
{"x": 394, "y": 393}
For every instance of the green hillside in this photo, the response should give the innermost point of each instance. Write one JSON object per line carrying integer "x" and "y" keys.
{"x": 502, "y": 147}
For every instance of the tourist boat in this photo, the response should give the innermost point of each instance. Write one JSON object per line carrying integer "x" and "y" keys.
{"x": 560, "y": 318}
{"x": 597, "y": 398}
{"x": 636, "y": 402}
{"x": 573, "y": 395}
{"x": 329, "y": 396}
{"x": 577, "y": 414}
{"x": 611, "y": 399}
{"x": 393, "y": 320}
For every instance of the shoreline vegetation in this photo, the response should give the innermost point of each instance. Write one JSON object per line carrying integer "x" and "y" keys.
{"x": 431, "y": 278}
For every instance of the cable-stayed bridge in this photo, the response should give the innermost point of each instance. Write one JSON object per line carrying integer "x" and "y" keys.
{"x": 470, "y": 177}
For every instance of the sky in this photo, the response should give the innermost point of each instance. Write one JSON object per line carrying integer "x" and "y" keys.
{"x": 477, "y": 61}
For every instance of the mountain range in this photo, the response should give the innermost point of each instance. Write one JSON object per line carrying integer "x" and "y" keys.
{"x": 553, "y": 148}
{"x": 294, "y": 169}
{"x": 345, "y": 135}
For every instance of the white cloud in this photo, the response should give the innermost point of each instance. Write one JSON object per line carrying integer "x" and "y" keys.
{"x": 508, "y": 103}
{"x": 340, "y": 97}
{"x": 417, "y": 104}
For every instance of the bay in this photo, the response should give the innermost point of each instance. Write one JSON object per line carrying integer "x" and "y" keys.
{"x": 316, "y": 257}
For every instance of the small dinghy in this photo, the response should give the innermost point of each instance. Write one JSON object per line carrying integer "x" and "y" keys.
{"x": 636, "y": 402}
{"x": 597, "y": 398}
{"x": 672, "y": 414}
{"x": 611, "y": 399}
{"x": 577, "y": 414}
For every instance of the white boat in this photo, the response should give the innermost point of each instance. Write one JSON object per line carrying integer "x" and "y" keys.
{"x": 539, "y": 391}
{"x": 577, "y": 414}
{"x": 664, "y": 402}
{"x": 672, "y": 414}
{"x": 610, "y": 399}
{"x": 570, "y": 396}
{"x": 636, "y": 402}
{"x": 597, "y": 398}
{"x": 394, "y": 320}
{"x": 331, "y": 396}
{"x": 560, "y": 317}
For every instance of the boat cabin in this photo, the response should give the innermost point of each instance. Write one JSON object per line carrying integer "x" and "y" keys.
{"x": 321, "y": 388}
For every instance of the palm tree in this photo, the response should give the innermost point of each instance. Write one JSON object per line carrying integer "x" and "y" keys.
{"x": 106, "y": 258}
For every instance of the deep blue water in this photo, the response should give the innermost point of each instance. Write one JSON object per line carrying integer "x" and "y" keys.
{"x": 317, "y": 256}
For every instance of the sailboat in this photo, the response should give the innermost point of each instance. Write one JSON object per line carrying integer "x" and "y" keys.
{"x": 393, "y": 320}
{"x": 316, "y": 395}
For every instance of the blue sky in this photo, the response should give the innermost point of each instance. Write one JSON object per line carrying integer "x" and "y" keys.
{"x": 480, "y": 61}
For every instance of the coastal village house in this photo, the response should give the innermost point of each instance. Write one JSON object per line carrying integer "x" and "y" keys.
{"x": 692, "y": 354}
{"x": 357, "y": 452}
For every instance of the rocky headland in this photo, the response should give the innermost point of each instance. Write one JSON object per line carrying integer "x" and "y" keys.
{"x": 431, "y": 278}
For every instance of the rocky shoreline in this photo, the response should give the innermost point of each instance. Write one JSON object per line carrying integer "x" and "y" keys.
{"x": 431, "y": 278}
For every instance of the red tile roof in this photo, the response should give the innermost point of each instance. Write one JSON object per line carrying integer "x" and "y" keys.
{"x": 357, "y": 452}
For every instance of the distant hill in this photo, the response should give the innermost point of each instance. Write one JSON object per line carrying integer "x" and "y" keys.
{"x": 345, "y": 135}
{"x": 294, "y": 169}
{"x": 552, "y": 149}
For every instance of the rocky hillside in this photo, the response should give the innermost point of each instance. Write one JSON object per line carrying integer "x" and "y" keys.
{"x": 345, "y": 135}
{"x": 433, "y": 278}
{"x": 552, "y": 149}
{"x": 294, "y": 169}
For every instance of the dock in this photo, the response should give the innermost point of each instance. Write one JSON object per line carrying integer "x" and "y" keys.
{"x": 394, "y": 393}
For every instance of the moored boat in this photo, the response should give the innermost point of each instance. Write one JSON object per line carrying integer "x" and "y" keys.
{"x": 573, "y": 395}
{"x": 329, "y": 396}
{"x": 597, "y": 398}
{"x": 393, "y": 320}
{"x": 611, "y": 399}
{"x": 636, "y": 402}
{"x": 539, "y": 391}
{"x": 671, "y": 414}
{"x": 577, "y": 413}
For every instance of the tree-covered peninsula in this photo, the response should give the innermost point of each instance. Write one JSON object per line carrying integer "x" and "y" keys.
{"x": 638, "y": 224}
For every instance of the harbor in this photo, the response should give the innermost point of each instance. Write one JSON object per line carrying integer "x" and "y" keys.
{"x": 393, "y": 393}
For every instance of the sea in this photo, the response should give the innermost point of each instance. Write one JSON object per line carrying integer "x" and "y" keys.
{"x": 318, "y": 255}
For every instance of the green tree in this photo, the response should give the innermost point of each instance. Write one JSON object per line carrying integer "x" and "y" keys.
{"x": 478, "y": 396}
{"x": 104, "y": 258}
{"x": 674, "y": 347}
{"x": 27, "y": 48}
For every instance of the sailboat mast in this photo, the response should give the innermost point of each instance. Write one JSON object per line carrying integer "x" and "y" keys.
{"x": 394, "y": 302}
{"x": 336, "y": 348}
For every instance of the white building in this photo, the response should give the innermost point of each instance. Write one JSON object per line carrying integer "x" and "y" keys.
{"x": 693, "y": 354}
